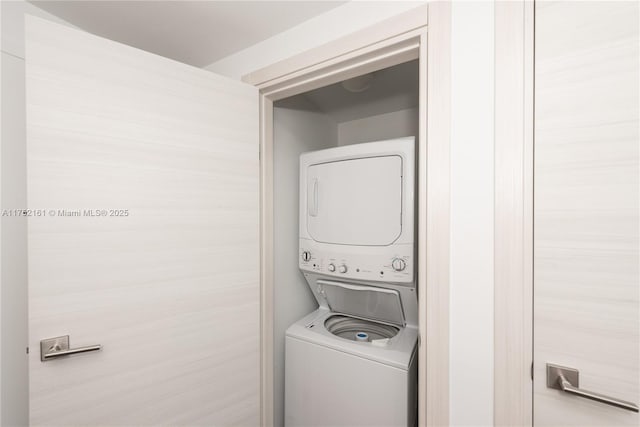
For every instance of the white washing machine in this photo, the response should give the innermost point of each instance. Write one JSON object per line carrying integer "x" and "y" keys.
{"x": 353, "y": 361}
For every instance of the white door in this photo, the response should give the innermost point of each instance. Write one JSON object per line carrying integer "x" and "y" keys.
{"x": 146, "y": 171}
{"x": 586, "y": 233}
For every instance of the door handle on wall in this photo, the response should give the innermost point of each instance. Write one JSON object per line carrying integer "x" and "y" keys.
{"x": 567, "y": 380}
{"x": 52, "y": 348}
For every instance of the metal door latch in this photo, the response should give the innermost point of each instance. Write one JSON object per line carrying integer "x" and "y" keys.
{"x": 567, "y": 380}
{"x": 52, "y": 348}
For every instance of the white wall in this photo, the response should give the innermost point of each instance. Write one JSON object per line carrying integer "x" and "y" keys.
{"x": 2, "y": 56}
{"x": 471, "y": 309}
{"x": 13, "y": 12}
{"x": 384, "y": 126}
{"x": 13, "y": 320}
{"x": 471, "y": 306}
{"x": 314, "y": 32}
{"x": 295, "y": 132}
{"x": 14, "y": 403}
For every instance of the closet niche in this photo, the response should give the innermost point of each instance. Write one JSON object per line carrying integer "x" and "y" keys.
{"x": 376, "y": 106}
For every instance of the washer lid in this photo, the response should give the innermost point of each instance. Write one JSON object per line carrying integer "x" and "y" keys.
{"x": 368, "y": 302}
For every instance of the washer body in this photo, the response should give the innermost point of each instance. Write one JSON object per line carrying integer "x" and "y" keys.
{"x": 333, "y": 381}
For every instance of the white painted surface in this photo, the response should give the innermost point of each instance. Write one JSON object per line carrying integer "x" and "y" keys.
{"x": 297, "y": 129}
{"x": 1, "y": 91}
{"x": 14, "y": 405}
{"x": 331, "y": 25}
{"x": 396, "y": 124}
{"x": 13, "y": 12}
{"x": 193, "y": 32}
{"x": 172, "y": 290}
{"x": 391, "y": 89}
{"x": 13, "y": 323}
{"x": 471, "y": 286}
{"x": 587, "y": 214}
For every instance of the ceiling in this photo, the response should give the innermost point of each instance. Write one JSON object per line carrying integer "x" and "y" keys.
{"x": 194, "y": 32}
{"x": 392, "y": 89}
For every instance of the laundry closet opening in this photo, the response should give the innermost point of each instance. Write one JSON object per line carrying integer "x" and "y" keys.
{"x": 382, "y": 105}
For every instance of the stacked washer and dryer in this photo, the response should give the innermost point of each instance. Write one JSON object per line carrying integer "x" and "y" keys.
{"x": 353, "y": 360}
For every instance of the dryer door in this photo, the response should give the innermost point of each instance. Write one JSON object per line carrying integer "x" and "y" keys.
{"x": 355, "y": 202}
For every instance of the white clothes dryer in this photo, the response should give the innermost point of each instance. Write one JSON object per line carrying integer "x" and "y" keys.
{"x": 352, "y": 362}
{"x": 357, "y": 211}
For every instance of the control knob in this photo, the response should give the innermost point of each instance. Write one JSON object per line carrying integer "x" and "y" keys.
{"x": 306, "y": 255}
{"x": 342, "y": 268}
{"x": 398, "y": 264}
{"x": 331, "y": 268}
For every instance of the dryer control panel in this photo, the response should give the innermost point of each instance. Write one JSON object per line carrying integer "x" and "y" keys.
{"x": 396, "y": 266}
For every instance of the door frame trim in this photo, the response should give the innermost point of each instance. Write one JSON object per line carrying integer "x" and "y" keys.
{"x": 396, "y": 40}
{"x": 513, "y": 213}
